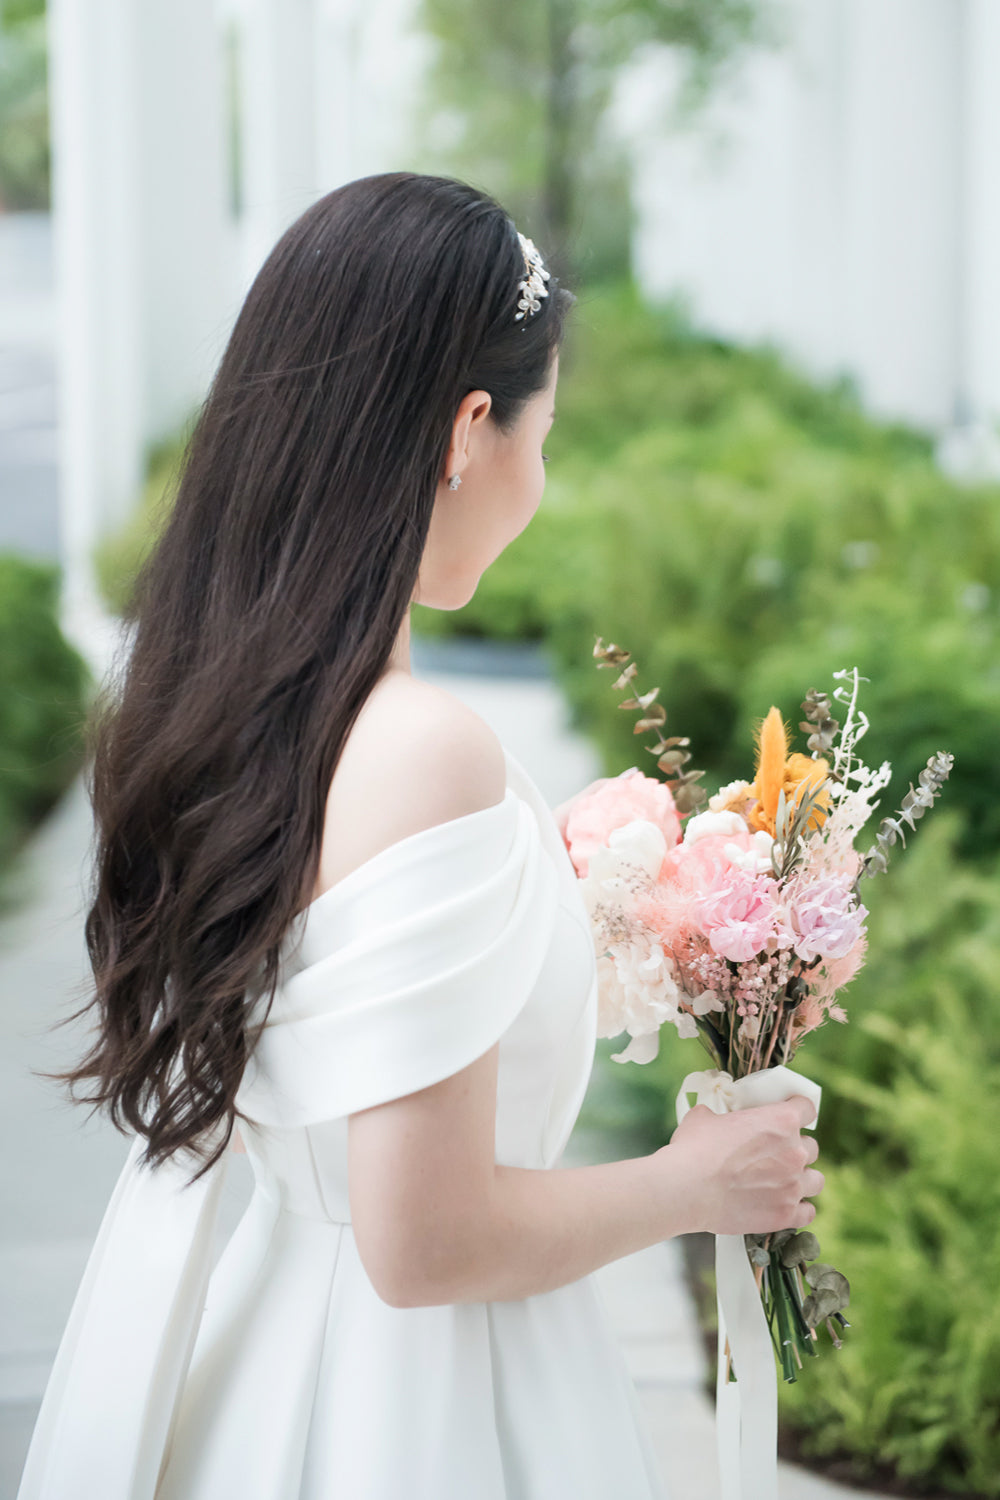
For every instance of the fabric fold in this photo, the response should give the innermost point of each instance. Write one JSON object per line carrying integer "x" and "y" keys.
{"x": 422, "y": 999}
{"x": 111, "y": 1398}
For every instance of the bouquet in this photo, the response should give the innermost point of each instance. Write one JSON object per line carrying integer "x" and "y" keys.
{"x": 739, "y": 923}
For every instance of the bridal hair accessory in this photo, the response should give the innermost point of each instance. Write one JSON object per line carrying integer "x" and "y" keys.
{"x": 454, "y": 481}
{"x": 533, "y": 287}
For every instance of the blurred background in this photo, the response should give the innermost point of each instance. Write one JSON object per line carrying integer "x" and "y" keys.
{"x": 777, "y": 455}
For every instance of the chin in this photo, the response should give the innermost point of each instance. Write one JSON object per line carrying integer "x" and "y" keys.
{"x": 457, "y": 596}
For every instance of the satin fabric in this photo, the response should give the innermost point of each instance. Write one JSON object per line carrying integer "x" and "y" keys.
{"x": 281, "y": 1373}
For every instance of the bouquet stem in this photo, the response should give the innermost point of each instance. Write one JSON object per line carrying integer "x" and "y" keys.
{"x": 782, "y": 1299}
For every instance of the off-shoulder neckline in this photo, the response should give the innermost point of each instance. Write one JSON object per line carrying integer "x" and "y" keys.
{"x": 381, "y": 856}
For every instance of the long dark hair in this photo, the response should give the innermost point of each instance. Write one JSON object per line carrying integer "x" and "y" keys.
{"x": 267, "y": 613}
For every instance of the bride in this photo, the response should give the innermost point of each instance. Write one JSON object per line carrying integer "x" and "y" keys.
{"x": 329, "y": 904}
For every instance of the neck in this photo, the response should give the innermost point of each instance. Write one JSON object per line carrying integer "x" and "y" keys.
{"x": 400, "y": 658}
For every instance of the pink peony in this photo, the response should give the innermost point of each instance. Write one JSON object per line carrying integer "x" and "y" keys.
{"x": 690, "y": 873}
{"x": 741, "y": 917}
{"x": 624, "y": 799}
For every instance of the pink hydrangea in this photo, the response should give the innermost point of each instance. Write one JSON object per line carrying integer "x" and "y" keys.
{"x": 623, "y": 799}
{"x": 825, "y": 919}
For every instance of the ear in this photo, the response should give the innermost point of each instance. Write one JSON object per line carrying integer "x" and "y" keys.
{"x": 472, "y": 412}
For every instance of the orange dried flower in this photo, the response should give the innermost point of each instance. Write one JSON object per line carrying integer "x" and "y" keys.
{"x": 776, "y": 771}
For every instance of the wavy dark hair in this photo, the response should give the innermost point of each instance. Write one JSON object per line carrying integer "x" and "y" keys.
{"x": 266, "y": 614}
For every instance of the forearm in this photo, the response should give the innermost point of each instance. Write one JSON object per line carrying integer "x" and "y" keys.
{"x": 545, "y": 1228}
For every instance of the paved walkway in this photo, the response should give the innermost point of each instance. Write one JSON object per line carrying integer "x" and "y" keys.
{"x": 57, "y": 1168}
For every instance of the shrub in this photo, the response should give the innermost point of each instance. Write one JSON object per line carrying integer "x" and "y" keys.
{"x": 43, "y": 685}
{"x": 24, "y": 109}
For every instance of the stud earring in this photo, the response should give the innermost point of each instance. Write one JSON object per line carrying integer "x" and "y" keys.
{"x": 454, "y": 481}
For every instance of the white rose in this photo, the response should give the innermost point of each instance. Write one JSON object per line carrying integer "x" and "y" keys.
{"x": 640, "y": 843}
{"x": 706, "y": 824}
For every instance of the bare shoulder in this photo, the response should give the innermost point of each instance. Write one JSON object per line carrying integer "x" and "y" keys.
{"x": 415, "y": 756}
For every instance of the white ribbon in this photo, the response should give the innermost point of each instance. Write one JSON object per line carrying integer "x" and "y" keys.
{"x": 746, "y": 1413}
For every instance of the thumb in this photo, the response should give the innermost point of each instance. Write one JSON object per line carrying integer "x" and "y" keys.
{"x": 697, "y": 1112}
{"x": 806, "y": 1108}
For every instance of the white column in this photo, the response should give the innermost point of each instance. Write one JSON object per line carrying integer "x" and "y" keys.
{"x": 974, "y": 447}
{"x": 816, "y": 293}
{"x": 338, "y": 96}
{"x": 819, "y": 201}
{"x": 185, "y": 235}
{"x": 279, "y": 112}
{"x": 903, "y": 177}
{"x": 143, "y": 252}
{"x": 93, "y": 82}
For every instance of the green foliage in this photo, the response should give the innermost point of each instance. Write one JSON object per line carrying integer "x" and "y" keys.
{"x": 43, "y": 687}
{"x": 24, "y": 110}
{"x": 17, "y": 12}
{"x": 914, "y": 1222}
{"x": 122, "y": 553}
{"x": 746, "y": 532}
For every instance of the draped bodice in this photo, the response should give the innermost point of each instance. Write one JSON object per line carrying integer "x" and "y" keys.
{"x": 413, "y": 965}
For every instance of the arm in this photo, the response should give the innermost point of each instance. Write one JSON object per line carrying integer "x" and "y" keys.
{"x": 436, "y": 1219}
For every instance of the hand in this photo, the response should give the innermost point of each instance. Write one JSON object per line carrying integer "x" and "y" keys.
{"x": 748, "y": 1171}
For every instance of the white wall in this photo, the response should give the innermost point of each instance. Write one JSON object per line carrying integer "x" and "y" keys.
{"x": 840, "y": 200}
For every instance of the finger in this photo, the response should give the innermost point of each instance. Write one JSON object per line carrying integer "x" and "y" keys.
{"x": 805, "y": 1215}
{"x": 806, "y": 1108}
{"x": 811, "y": 1147}
{"x": 699, "y": 1111}
{"x": 702, "y": 1111}
{"x": 812, "y": 1183}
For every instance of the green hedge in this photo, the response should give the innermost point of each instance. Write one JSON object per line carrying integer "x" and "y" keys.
{"x": 25, "y": 164}
{"x": 43, "y": 692}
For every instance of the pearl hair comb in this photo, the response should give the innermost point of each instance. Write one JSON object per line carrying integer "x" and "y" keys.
{"x": 533, "y": 287}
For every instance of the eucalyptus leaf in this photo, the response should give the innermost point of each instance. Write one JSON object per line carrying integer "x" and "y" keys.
{"x": 799, "y": 1249}
{"x": 819, "y": 1305}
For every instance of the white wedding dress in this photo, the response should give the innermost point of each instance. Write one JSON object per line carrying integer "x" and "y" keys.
{"x": 281, "y": 1374}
